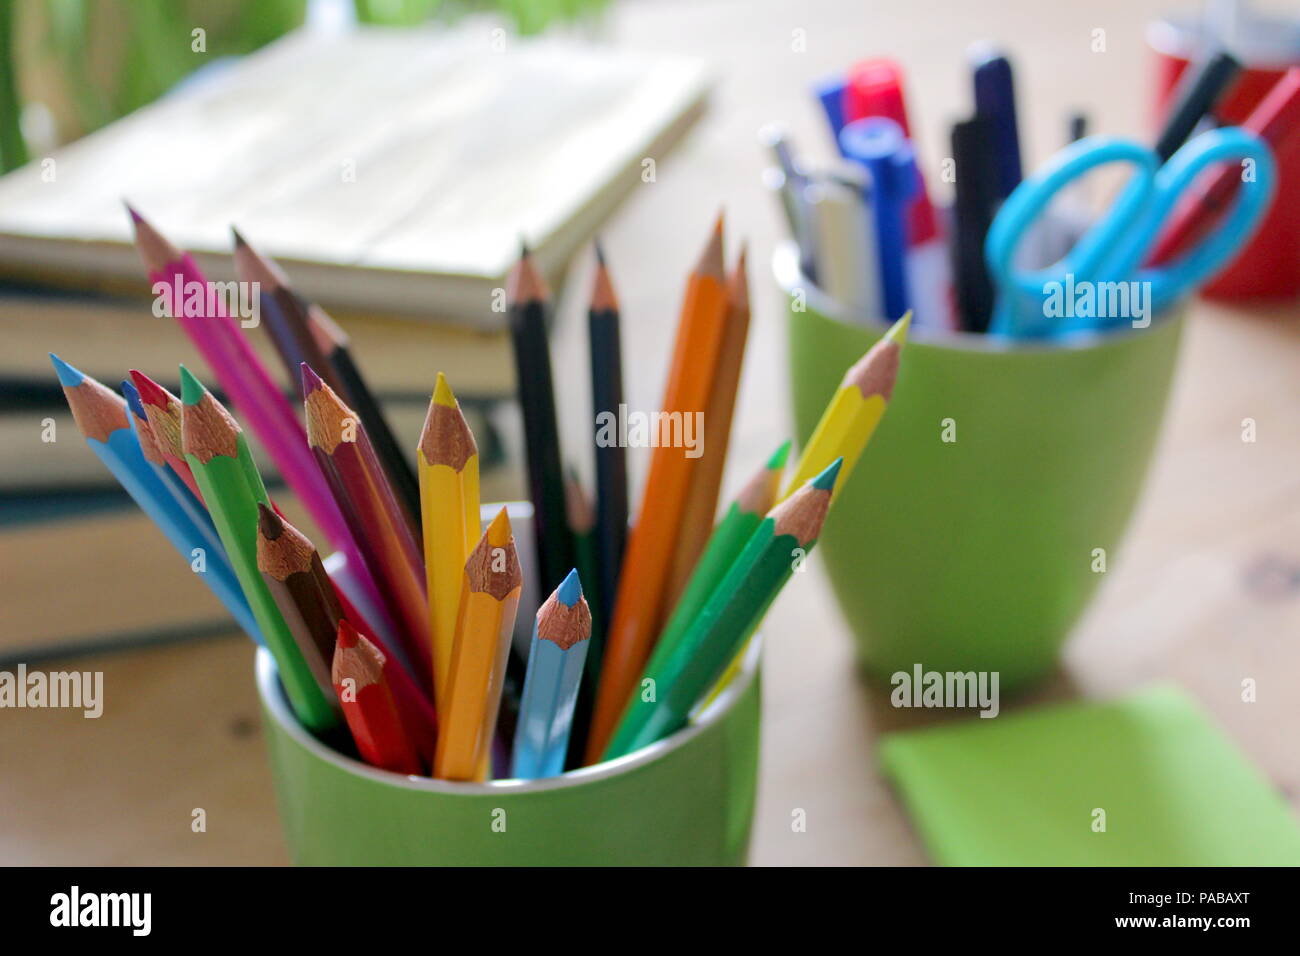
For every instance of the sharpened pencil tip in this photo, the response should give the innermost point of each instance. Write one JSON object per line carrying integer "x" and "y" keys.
{"x": 498, "y": 532}
{"x": 268, "y": 522}
{"x": 136, "y": 218}
{"x": 442, "y": 393}
{"x": 570, "y": 590}
{"x": 310, "y": 380}
{"x": 239, "y": 240}
{"x": 779, "y": 457}
{"x": 132, "y": 396}
{"x": 347, "y": 635}
{"x": 600, "y": 251}
{"x": 192, "y": 389}
{"x": 826, "y": 480}
{"x": 524, "y": 251}
{"x": 69, "y": 377}
{"x": 898, "y": 331}
{"x": 151, "y": 392}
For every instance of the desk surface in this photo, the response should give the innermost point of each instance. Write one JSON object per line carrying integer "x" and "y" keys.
{"x": 1205, "y": 592}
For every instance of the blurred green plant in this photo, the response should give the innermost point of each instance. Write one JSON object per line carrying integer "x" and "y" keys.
{"x": 113, "y": 56}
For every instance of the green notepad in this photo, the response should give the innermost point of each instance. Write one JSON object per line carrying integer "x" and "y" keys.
{"x": 1024, "y": 789}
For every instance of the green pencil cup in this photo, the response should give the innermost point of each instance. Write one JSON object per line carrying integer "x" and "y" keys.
{"x": 687, "y": 800}
{"x": 990, "y": 501}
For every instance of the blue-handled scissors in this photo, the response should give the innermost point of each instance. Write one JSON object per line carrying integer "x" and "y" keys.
{"x": 1113, "y": 249}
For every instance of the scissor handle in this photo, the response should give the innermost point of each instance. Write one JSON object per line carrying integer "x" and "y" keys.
{"x": 1172, "y": 280}
{"x": 1021, "y": 292}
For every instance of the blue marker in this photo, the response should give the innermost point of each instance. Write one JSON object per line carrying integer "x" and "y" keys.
{"x": 995, "y": 101}
{"x": 120, "y": 452}
{"x": 830, "y": 92}
{"x": 555, "y": 662}
{"x": 879, "y": 145}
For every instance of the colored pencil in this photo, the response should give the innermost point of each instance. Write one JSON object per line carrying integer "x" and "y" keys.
{"x": 386, "y": 533}
{"x": 638, "y": 607}
{"x": 218, "y": 454}
{"x": 358, "y": 675}
{"x": 854, "y": 411}
{"x": 103, "y": 419}
{"x": 555, "y": 667}
{"x": 488, "y": 605}
{"x": 449, "y": 503}
{"x": 706, "y": 479}
{"x": 292, "y": 571}
{"x": 212, "y": 550}
{"x": 163, "y": 410}
{"x": 586, "y": 556}
{"x": 222, "y": 344}
{"x": 784, "y": 538}
{"x": 605, "y": 342}
{"x": 528, "y": 297}
{"x": 735, "y": 529}
{"x": 289, "y": 317}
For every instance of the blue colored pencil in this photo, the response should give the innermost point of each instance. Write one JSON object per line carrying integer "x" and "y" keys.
{"x": 192, "y": 507}
{"x": 555, "y": 662}
{"x": 101, "y": 415}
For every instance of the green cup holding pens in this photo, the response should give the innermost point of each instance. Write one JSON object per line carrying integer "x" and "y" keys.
{"x": 990, "y": 502}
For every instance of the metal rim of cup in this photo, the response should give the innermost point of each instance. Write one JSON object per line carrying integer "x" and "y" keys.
{"x": 272, "y": 697}
{"x": 785, "y": 267}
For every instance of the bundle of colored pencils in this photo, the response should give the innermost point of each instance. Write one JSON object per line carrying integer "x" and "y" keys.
{"x": 402, "y": 660}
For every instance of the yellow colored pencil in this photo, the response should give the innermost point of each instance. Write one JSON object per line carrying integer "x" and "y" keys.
{"x": 489, "y": 601}
{"x": 449, "y": 508}
{"x": 853, "y": 412}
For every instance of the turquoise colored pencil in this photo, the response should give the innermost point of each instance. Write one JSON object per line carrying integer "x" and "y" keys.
{"x": 214, "y": 552}
{"x": 669, "y": 692}
{"x": 102, "y": 416}
{"x": 561, "y": 635}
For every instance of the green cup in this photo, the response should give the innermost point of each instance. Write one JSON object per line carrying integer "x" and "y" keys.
{"x": 687, "y": 800}
{"x": 979, "y": 553}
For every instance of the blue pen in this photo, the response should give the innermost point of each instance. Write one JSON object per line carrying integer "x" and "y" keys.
{"x": 995, "y": 100}
{"x": 120, "y": 452}
{"x": 197, "y": 513}
{"x": 555, "y": 661}
{"x": 830, "y": 92}
{"x": 879, "y": 145}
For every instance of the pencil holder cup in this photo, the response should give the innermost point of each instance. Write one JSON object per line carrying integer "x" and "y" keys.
{"x": 1268, "y": 267}
{"x": 686, "y": 800}
{"x": 988, "y": 505}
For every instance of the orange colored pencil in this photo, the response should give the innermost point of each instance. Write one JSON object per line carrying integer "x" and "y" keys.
{"x": 643, "y": 582}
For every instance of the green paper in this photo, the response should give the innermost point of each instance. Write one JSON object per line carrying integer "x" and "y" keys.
{"x": 1021, "y": 789}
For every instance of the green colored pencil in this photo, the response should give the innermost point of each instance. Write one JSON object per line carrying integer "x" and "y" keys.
{"x": 668, "y": 692}
{"x": 217, "y": 453}
{"x": 725, "y": 544}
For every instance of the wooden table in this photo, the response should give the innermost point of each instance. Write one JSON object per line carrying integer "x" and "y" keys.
{"x": 1205, "y": 592}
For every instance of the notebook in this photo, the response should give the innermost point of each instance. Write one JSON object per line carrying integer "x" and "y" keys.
{"x": 389, "y": 170}
{"x": 1147, "y": 780}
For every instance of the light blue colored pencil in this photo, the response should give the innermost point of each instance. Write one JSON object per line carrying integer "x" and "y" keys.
{"x": 195, "y": 511}
{"x": 555, "y": 662}
{"x": 105, "y": 422}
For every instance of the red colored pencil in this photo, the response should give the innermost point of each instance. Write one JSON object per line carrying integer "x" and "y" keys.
{"x": 381, "y": 525}
{"x": 163, "y": 411}
{"x": 368, "y": 705}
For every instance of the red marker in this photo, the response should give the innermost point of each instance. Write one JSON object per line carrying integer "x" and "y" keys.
{"x": 1276, "y": 120}
{"x": 875, "y": 88}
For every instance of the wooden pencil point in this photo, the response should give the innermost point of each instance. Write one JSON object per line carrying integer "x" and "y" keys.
{"x": 329, "y": 421}
{"x": 446, "y": 438}
{"x": 207, "y": 429}
{"x": 156, "y": 251}
{"x": 603, "y": 297}
{"x": 802, "y": 514}
{"x": 493, "y": 565}
{"x": 282, "y": 550}
{"x": 356, "y": 657}
{"x": 563, "y": 624}
{"x": 97, "y": 409}
{"x": 254, "y": 267}
{"x": 710, "y": 262}
{"x": 877, "y": 371}
{"x": 525, "y": 283}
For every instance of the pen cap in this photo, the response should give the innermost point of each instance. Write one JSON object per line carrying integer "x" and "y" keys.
{"x": 880, "y": 145}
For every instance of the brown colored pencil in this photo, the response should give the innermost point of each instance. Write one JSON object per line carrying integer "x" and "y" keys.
{"x": 381, "y": 525}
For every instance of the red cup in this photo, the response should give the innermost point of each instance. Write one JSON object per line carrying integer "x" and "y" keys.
{"x": 1269, "y": 266}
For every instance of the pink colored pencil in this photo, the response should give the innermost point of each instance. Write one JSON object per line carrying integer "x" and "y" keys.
{"x": 261, "y": 405}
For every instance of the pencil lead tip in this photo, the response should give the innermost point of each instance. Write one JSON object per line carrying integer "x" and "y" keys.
{"x": 192, "y": 389}
{"x": 779, "y": 457}
{"x": 132, "y": 396}
{"x": 150, "y": 391}
{"x": 442, "y": 393}
{"x": 310, "y": 380}
{"x": 136, "y": 218}
{"x": 347, "y": 636}
{"x": 570, "y": 590}
{"x": 826, "y": 480}
{"x": 498, "y": 532}
{"x": 69, "y": 377}
{"x": 269, "y": 524}
{"x": 600, "y": 251}
{"x": 524, "y": 251}
{"x": 898, "y": 331}
{"x": 239, "y": 240}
